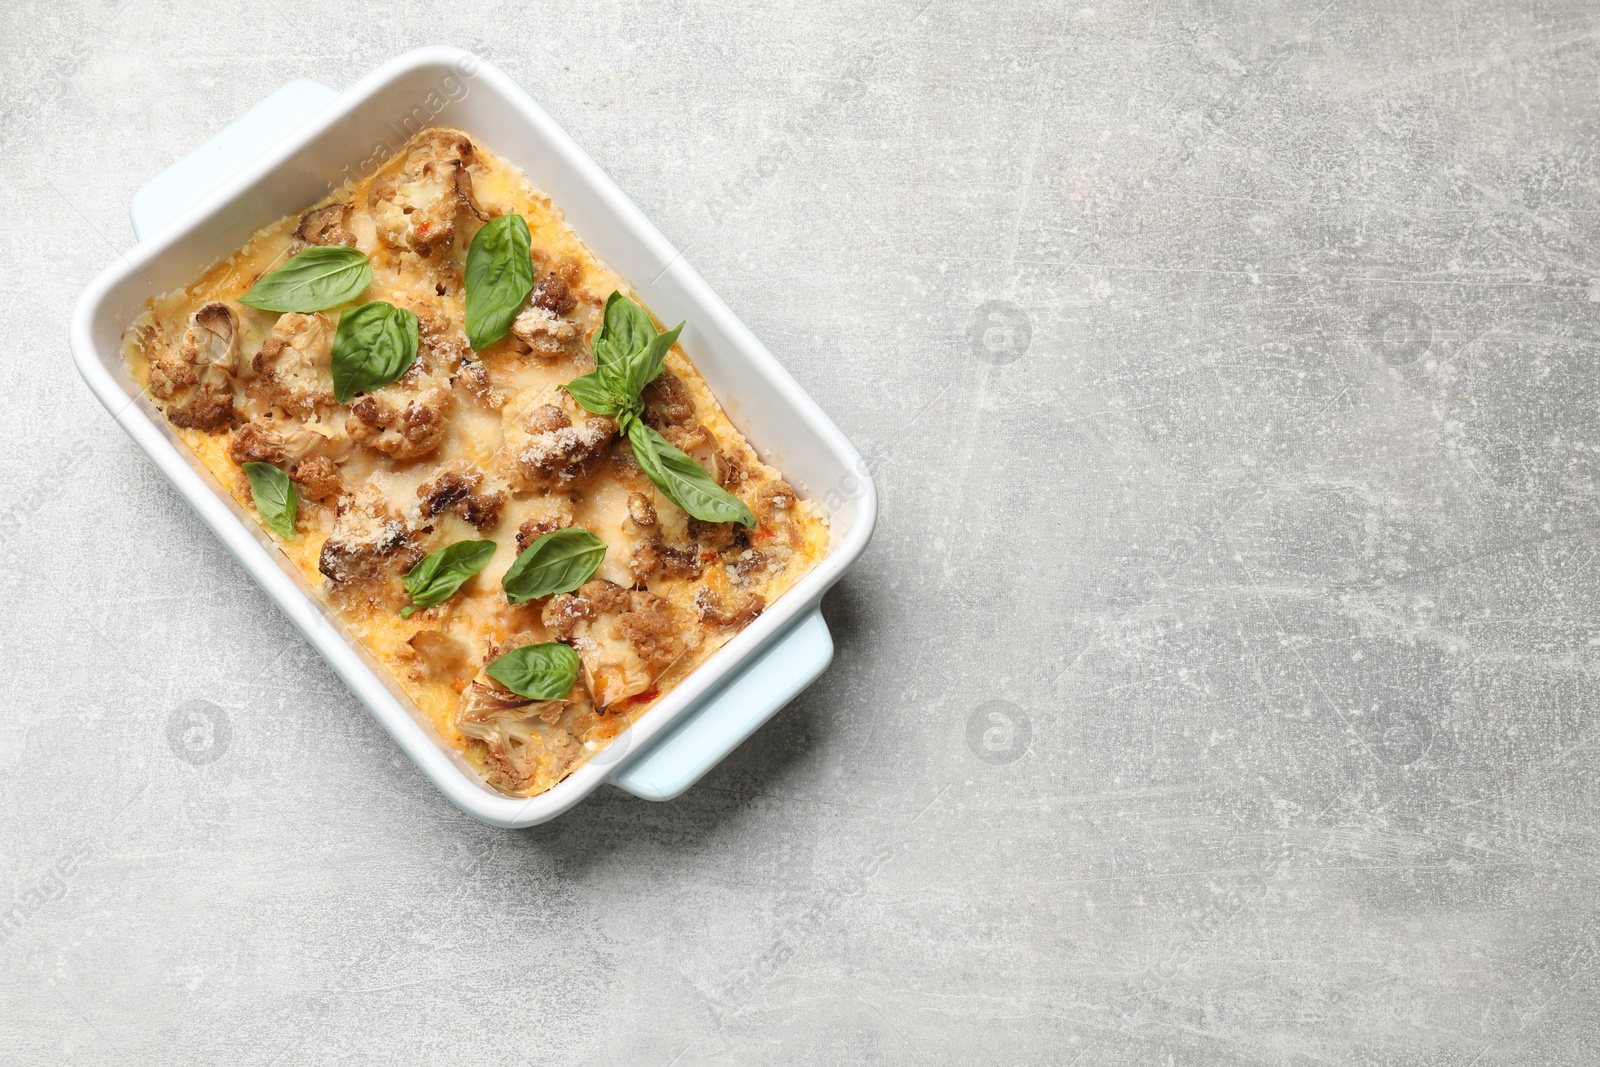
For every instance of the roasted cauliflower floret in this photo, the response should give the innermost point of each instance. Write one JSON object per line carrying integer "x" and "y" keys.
{"x": 317, "y": 477}
{"x": 407, "y": 419}
{"x": 212, "y": 339}
{"x": 170, "y": 373}
{"x": 641, "y": 510}
{"x": 557, "y": 288}
{"x": 521, "y": 751}
{"x": 210, "y": 343}
{"x": 438, "y": 146}
{"x": 326, "y": 226}
{"x": 196, "y": 378}
{"x": 702, "y": 446}
{"x": 418, "y": 214}
{"x": 713, "y": 611}
{"x": 667, "y": 402}
{"x": 474, "y": 378}
{"x": 775, "y": 505}
{"x": 456, "y": 489}
{"x": 625, "y": 638}
{"x": 554, "y": 293}
{"x": 655, "y": 558}
{"x": 542, "y": 331}
{"x": 370, "y": 540}
{"x": 555, "y": 445}
{"x": 294, "y": 368}
{"x": 208, "y": 408}
{"x": 269, "y": 440}
{"x": 527, "y": 743}
{"x": 416, "y": 207}
{"x": 546, "y": 514}
{"x": 404, "y": 427}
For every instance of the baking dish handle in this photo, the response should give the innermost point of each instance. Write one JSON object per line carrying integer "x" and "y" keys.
{"x": 703, "y": 734}
{"x": 166, "y": 196}
{"x": 722, "y": 721}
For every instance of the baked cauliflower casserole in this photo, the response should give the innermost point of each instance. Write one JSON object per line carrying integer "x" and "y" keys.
{"x": 499, "y": 473}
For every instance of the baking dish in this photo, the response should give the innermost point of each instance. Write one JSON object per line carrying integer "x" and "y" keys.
{"x": 293, "y": 149}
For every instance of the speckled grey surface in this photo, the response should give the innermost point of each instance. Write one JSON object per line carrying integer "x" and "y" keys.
{"x": 1220, "y": 687}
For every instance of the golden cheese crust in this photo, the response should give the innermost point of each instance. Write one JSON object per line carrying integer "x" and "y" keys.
{"x": 474, "y": 445}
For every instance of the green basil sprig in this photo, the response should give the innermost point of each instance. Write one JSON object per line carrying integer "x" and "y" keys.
{"x": 595, "y": 396}
{"x": 684, "y": 481}
{"x": 629, "y": 354}
{"x": 374, "y": 344}
{"x": 558, "y": 562}
{"x": 274, "y": 497}
{"x": 499, "y": 278}
{"x": 314, "y": 280}
{"x": 441, "y": 573}
{"x": 628, "y": 351}
{"x": 538, "y": 672}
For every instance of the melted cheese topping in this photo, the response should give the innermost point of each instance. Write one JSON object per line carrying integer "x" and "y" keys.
{"x": 669, "y": 592}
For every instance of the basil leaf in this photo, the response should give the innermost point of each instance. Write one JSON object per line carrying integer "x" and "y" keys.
{"x": 314, "y": 280}
{"x": 628, "y": 352}
{"x": 684, "y": 481}
{"x": 441, "y": 573}
{"x": 499, "y": 278}
{"x": 274, "y": 497}
{"x": 374, "y": 344}
{"x": 538, "y": 672}
{"x": 645, "y": 366}
{"x": 594, "y": 394}
{"x": 625, "y": 331}
{"x": 558, "y": 562}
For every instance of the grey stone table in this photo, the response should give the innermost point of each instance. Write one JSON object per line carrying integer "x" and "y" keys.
{"x": 1220, "y": 686}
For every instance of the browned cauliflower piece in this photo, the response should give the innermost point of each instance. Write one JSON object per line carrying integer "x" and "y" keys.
{"x": 625, "y": 638}
{"x": 456, "y": 489}
{"x": 409, "y": 432}
{"x": 212, "y": 339}
{"x": 667, "y": 402}
{"x": 318, "y": 478}
{"x": 557, "y": 288}
{"x": 439, "y": 329}
{"x": 294, "y": 368}
{"x": 555, "y": 445}
{"x": 712, "y": 610}
{"x": 269, "y": 440}
{"x": 550, "y": 513}
{"x": 718, "y": 537}
{"x": 416, "y": 206}
{"x": 208, "y": 408}
{"x": 554, "y": 295}
{"x": 774, "y": 504}
{"x": 195, "y": 379}
{"x": 641, "y": 510}
{"x": 655, "y": 558}
{"x": 407, "y": 419}
{"x": 370, "y": 540}
{"x": 475, "y": 379}
{"x": 439, "y": 146}
{"x": 544, "y": 332}
{"x": 526, "y": 743}
{"x": 326, "y": 226}
{"x": 701, "y": 445}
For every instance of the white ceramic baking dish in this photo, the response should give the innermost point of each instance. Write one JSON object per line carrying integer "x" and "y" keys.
{"x": 292, "y": 150}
